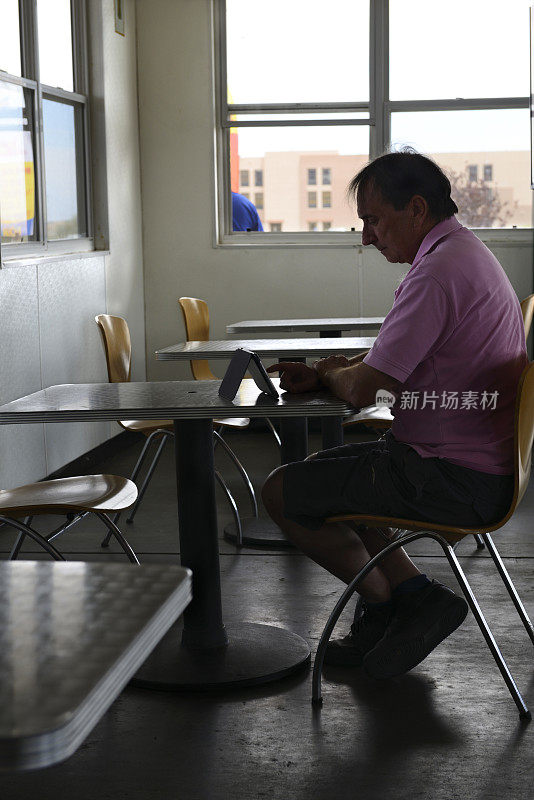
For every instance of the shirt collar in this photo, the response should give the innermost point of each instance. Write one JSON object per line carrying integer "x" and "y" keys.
{"x": 438, "y": 232}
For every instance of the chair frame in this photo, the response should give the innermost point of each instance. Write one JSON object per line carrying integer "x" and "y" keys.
{"x": 448, "y": 537}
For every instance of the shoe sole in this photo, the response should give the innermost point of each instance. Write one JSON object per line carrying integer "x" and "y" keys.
{"x": 396, "y": 659}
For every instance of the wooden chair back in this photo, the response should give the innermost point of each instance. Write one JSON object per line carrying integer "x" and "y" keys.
{"x": 197, "y": 329}
{"x": 117, "y": 346}
{"x": 527, "y": 308}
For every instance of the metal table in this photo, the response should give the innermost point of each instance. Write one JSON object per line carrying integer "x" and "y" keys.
{"x": 293, "y": 349}
{"x": 71, "y": 636}
{"x": 293, "y": 431}
{"x": 325, "y": 326}
{"x": 206, "y": 654}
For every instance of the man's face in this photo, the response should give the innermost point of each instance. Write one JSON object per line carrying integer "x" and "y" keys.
{"x": 395, "y": 233}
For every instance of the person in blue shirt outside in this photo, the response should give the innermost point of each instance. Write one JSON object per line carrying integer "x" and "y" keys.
{"x": 244, "y": 214}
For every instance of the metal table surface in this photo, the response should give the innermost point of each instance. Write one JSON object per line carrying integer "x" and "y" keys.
{"x": 267, "y": 348}
{"x": 325, "y": 326}
{"x": 71, "y": 636}
{"x": 206, "y": 654}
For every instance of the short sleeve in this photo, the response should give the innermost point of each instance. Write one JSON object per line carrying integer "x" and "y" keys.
{"x": 419, "y": 322}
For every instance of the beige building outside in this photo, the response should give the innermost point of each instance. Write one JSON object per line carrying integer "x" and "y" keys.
{"x": 306, "y": 191}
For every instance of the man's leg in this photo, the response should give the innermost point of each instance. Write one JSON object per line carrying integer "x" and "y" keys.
{"x": 339, "y": 548}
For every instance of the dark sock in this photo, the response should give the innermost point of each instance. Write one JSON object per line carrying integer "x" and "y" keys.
{"x": 411, "y": 585}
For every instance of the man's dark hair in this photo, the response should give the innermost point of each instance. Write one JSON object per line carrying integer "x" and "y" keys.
{"x": 399, "y": 176}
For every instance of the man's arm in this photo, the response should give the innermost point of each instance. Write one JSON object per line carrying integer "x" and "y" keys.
{"x": 357, "y": 384}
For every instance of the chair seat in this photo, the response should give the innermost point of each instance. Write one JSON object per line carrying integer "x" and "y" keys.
{"x": 232, "y": 422}
{"x": 372, "y": 415}
{"x": 146, "y": 426}
{"x": 451, "y": 533}
{"x": 83, "y": 493}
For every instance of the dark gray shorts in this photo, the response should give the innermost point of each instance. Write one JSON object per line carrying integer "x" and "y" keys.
{"x": 390, "y": 478}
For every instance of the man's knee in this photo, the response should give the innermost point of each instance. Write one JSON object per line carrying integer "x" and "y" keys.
{"x": 272, "y": 492}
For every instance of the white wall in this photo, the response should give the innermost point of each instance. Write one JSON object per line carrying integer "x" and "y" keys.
{"x": 176, "y": 138}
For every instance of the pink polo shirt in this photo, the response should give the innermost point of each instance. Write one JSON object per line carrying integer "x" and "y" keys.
{"x": 455, "y": 340}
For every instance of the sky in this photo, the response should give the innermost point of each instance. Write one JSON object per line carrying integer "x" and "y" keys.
{"x": 294, "y": 51}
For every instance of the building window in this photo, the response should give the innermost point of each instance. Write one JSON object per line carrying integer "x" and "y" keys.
{"x": 312, "y": 199}
{"x": 313, "y": 226}
{"x": 258, "y": 200}
{"x": 276, "y": 227}
{"x": 44, "y": 174}
{"x": 285, "y": 118}
{"x": 246, "y": 195}
{"x": 472, "y": 173}
{"x": 258, "y": 177}
{"x": 327, "y": 226}
{"x": 327, "y": 199}
{"x": 244, "y": 177}
{"x": 488, "y": 172}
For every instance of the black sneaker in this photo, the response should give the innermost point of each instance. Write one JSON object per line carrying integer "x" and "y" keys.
{"x": 420, "y": 621}
{"x": 367, "y": 629}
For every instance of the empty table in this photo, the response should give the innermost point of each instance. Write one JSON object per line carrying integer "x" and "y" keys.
{"x": 325, "y": 326}
{"x": 72, "y": 635}
{"x": 207, "y": 653}
{"x": 267, "y": 348}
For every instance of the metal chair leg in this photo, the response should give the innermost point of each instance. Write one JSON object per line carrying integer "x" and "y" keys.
{"x": 133, "y": 476}
{"x": 27, "y": 531}
{"x": 237, "y": 518}
{"x": 509, "y": 585}
{"x": 147, "y": 479}
{"x": 480, "y": 541}
{"x": 15, "y": 550}
{"x": 273, "y": 431}
{"x": 524, "y": 713}
{"x": 110, "y": 525}
{"x": 218, "y": 438}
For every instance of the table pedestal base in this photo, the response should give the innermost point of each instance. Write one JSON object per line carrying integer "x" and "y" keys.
{"x": 255, "y": 654}
{"x": 258, "y": 533}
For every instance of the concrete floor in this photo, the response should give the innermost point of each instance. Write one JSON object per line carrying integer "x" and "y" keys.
{"x": 448, "y": 729}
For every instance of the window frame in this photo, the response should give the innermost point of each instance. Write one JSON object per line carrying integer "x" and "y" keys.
{"x": 379, "y": 108}
{"x": 79, "y": 99}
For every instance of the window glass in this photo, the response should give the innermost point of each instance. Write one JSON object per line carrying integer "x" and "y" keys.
{"x": 266, "y": 41}
{"x": 285, "y": 155}
{"x": 312, "y": 199}
{"x": 258, "y": 200}
{"x": 462, "y": 142}
{"x": 17, "y": 168}
{"x": 64, "y": 187}
{"x": 243, "y": 177}
{"x": 10, "y": 37}
{"x": 459, "y": 49}
{"x": 55, "y": 43}
{"x": 312, "y": 177}
{"x": 327, "y": 177}
{"x": 258, "y": 177}
{"x": 327, "y": 199}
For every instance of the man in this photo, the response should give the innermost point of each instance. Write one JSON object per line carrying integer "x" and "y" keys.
{"x": 244, "y": 214}
{"x": 451, "y": 350}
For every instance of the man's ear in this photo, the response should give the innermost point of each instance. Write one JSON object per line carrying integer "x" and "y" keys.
{"x": 419, "y": 209}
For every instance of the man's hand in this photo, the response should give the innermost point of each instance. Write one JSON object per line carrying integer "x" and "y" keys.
{"x": 296, "y": 377}
{"x": 326, "y": 365}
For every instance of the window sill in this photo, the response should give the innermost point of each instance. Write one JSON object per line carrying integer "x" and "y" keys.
{"x": 509, "y": 237}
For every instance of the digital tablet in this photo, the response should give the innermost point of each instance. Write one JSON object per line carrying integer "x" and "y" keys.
{"x": 244, "y": 360}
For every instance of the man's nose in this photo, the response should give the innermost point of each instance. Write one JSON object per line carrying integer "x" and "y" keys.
{"x": 367, "y": 236}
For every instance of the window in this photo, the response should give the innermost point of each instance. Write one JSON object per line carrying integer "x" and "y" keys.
{"x": 472, "y": 171}
{"x": 287, "y": 119}
{"x": 258, "y": 200}
{"x": 312, "y": 199}
{"x": 313, "y": 226}
{"x": 276, "y": 227}
{"x": 327, "y": 199}
{"x": 244, "y": 177}
{"x": 246, "y": 195}
{"x": 258, "y": 177}
{"x": 44, "y": 181}
{"x": 327, "y": 226}
{"x": 488, "y": 172}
